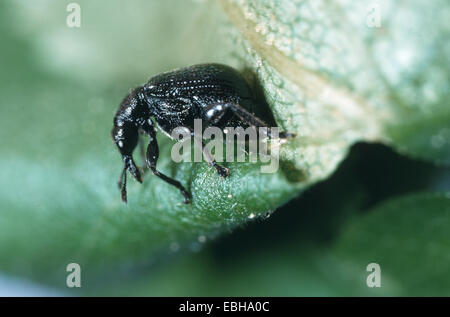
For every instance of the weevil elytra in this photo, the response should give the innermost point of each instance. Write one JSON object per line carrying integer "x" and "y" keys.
{"x": 217, "y": 94}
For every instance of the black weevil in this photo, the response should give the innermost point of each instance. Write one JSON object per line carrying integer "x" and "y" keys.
{"x": 215, "y": 93}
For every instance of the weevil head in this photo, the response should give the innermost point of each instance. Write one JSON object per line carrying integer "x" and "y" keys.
{"x": 125, "y": 132}
{"x": 127, "y": 121}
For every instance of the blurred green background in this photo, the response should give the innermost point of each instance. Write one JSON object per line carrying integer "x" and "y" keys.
{"x": 60, "y": 88}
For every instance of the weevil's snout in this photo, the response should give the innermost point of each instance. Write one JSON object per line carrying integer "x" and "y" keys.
{"x": 125, "y": 136}
{"x": 128, "y": 164}
{"x": 131, "y": 166}
{"x": 126, "y": 140}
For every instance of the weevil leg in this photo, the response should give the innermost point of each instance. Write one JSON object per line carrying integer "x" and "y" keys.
{"x": 152, "y": 156}
{"x": 251, "y": 119}
{"x": 222, "y": 171}
{"x": 215, "y": 112}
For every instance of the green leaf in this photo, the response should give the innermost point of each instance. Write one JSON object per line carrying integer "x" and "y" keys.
{"x": 326, "y": 76}
{"x": 59, "y": 200}
{"x": 408, "y": 238}
{"x": 342, "y": 77}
